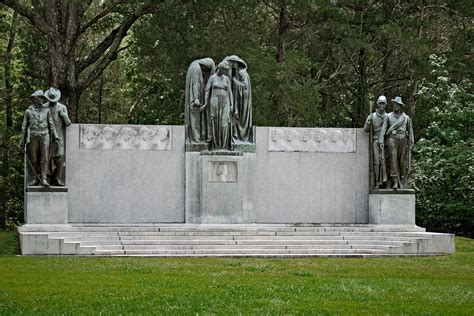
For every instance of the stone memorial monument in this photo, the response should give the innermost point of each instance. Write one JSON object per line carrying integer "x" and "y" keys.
{"x": 218, "y": 186}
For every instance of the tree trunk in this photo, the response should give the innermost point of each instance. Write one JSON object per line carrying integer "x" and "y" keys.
{"x": 63, "y": 22}
{"x": 282, "y": 29}
{"x": 9, "y": 121}
{"x": 62, "y": 44}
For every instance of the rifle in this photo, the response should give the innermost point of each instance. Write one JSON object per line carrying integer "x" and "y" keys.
{"x": 407, "y": 158}
{"x": 382, "y": 167}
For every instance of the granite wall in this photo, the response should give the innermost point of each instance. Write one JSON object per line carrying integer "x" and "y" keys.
{"x": 312, "y": 175}
{"x": 138, "y": 174}
{"x": 125, "y": 173}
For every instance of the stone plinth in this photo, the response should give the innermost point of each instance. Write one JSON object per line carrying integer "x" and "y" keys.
{"x": 219, "y": 187}
{"x": 392, "y": 207}
{"x": 46, "y": 205}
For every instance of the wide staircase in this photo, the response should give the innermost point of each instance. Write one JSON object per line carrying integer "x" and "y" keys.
{"x": 178, "y": 240}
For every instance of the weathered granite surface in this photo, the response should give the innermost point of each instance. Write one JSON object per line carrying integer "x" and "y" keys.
{"x": 292, "y": 185}
{"x": 220, "y": 188}
{"x": 305, "y": 186}
{"x": 111, "y": 185}
{"x": 46, "y": 207}
{"x": 392, "y": 207}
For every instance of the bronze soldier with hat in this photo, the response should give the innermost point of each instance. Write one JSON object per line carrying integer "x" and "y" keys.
{"x": 37, "y": 129}
{"x": 61, "y": 120}
{"x": 399, "y": 134}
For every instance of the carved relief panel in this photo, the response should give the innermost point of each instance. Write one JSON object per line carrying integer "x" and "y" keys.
{"x": 328, "y": 140}
{"x": 125, "y": 137}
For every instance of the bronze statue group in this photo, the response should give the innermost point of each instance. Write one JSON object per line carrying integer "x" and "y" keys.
{"x": 43, "y": 136}
{"x": 391, "y": 137}
{"x": 218, "y": 104}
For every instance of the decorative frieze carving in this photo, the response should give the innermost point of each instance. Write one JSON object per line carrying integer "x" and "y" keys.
{"x": 327, "y": 140}
{"x": 138, "y": 137}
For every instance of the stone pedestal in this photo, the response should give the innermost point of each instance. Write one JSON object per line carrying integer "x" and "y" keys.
{"x": 219, "y": 187}
{"x": 46, "y": 205}
{"x": 392, "y": 207}
{"x": 196, "y": 147}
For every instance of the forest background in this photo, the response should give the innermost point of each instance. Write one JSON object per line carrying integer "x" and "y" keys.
{"x": 319, "y": 63}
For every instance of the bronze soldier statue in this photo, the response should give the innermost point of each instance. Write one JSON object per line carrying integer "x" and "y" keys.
{"x": 37, "y": 130}
{"x": 373, "y": 125}
{"x": 399, "y": 134}
{"x": 61, "y": 120}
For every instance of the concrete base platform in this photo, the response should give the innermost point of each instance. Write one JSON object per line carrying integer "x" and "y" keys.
{"x": 233, "y": 240}
{"x": 46, "y": 205}
{"x": 392, "y": 207}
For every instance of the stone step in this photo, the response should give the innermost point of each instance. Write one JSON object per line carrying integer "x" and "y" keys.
{"x": 241, "y": 251}
{"x": 177, "y": 240}
{"x": 267, "y": 233}
{"x": 261, "y": 242}
{"x": 238, "y": 242}
{"x": 237, "y": 237}
{"x": 242, "y": 242}
{"x": 192, "y": 247}
{"x": 214, "y": 228}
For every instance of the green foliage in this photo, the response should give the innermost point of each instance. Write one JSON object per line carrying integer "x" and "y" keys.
{"x": 444, "y": 156}
{"x": 441, "y": 285}
{"x": 338, "y": 57}
{"x": 8, "y": 243}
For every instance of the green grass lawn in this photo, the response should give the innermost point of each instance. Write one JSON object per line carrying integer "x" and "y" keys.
{"x": 92, "y": 286}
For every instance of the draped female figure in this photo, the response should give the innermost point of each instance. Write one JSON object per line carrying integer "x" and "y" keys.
{"x": 219, "y": 104}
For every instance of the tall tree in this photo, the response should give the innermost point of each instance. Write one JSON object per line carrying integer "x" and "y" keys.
{"x": 8, "y": 119}
{"x": 65, "y": 24}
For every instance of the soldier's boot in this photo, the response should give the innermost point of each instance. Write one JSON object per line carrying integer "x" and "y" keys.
{"x": 395, "y": 183}
{"x": 34, "y": 181}
{"x": 44, "y": 177}
{"x": 59, "y": 172}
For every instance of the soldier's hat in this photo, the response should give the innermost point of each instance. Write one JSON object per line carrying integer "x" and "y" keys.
{"x": 37, "y": 93}
{"x": 382, "y": 99}
{"x": 52, "y": 94}
{"x": 398, "y": 100}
